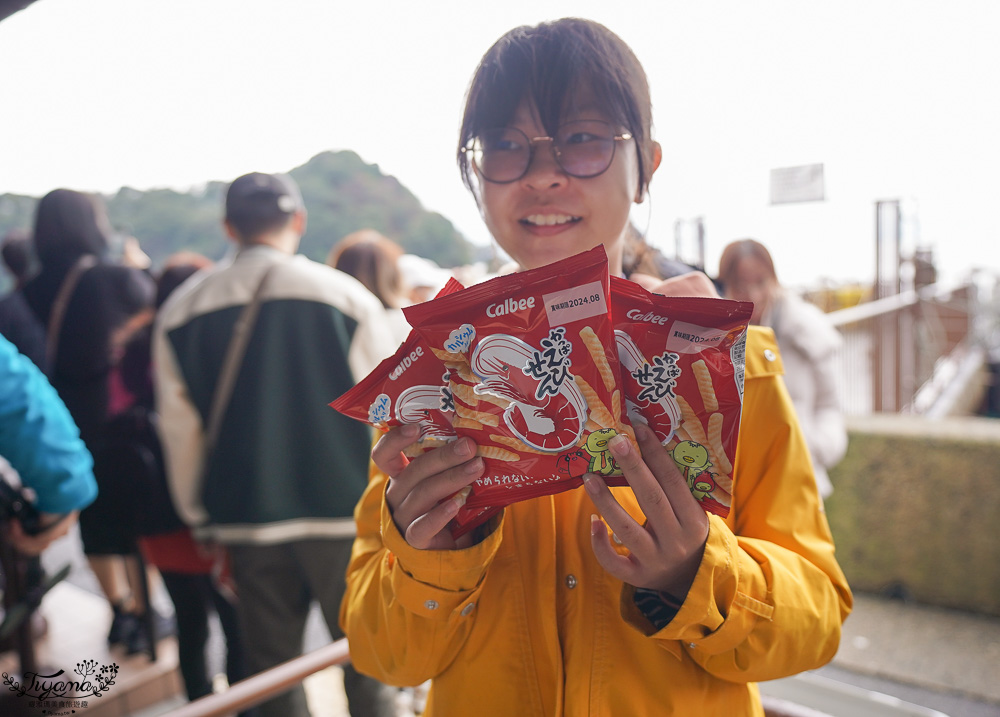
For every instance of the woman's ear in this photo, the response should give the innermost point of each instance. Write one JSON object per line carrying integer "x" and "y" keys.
{"x": 657, "y": 157}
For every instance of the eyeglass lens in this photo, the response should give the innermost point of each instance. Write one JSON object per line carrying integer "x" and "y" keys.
{"x": 582, "y": 149}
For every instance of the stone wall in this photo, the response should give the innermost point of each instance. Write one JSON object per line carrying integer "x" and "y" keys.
{"x": 916, "y": 509}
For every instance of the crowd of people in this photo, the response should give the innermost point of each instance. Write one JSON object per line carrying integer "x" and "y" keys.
{"x": 272, "y": 502}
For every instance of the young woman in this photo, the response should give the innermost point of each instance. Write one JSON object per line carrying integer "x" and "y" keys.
{"x": 808, "y": 343}
{"x": 543, "y": 614}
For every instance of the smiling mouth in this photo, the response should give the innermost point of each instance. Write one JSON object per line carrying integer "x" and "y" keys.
{"x": 549, "y": 220}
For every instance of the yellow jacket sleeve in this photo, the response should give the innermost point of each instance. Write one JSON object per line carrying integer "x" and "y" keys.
{"x": 413, "y": 594}
{"x": 769, "y": 598}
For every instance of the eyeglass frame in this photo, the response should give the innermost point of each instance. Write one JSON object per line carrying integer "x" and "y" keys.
{"x": 623, "y": 137}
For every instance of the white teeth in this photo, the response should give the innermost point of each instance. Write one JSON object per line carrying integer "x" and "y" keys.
{"x": 546, "y": 220}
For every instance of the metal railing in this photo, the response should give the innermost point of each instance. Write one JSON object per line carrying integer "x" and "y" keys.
{"x": 264, "y": 685}
{"x": 902, "y": 353}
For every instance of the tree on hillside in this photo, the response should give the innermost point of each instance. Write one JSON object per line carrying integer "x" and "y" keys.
{"x": 342, "y": 194}
{"x": 16, "y": 212}
{"x": 166, "y": 221}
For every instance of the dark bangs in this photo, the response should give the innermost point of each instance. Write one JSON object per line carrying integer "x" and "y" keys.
{"x": 547, "y": 65}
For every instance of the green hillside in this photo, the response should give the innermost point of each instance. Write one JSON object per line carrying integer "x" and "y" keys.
{"x": 342, "y": 194}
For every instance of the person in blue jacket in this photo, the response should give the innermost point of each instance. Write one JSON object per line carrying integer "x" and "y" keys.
{"x": 39, "y": 439}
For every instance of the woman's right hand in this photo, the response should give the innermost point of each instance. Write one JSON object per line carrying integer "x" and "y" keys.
{"x": 419, "y": 488}
{"x": 56, "y": 526}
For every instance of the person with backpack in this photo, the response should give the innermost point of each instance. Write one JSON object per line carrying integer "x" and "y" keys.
{"x": 46, "y": 479}
{"x": 83, "y": 298}
{"x": 196, "y": 576}
{"x": 39, "y": 441}
{"x": 247, "y": 357}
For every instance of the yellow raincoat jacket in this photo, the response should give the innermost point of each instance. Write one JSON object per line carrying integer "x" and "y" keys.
{"x": 527, "y": 623}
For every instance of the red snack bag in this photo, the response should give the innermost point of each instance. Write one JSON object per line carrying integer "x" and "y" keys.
{"x": 534, "y": 378}
{"x": 682, "y": 364}
{"x": 411, "y": 386}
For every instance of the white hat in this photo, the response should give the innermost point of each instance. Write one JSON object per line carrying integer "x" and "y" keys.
{"x": 419, "y": 272}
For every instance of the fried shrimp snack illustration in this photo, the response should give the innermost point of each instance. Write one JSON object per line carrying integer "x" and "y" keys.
{"x": 705, "y": 388}
{"x": 600, "y": 358}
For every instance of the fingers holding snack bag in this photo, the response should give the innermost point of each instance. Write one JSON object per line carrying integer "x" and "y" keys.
{"x": 682, "y": 362}
{"x": 419, "y": 449}
{"x": 409, "y": 399}
{"x": 533, "y": 378}
{"x": 665, "y": 551}
{"x": 693, "y": 283}
{"x": 425, "y": 493}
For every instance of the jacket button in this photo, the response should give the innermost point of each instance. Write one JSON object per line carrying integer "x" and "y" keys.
{"x": 769, "y": 354}
{"x": 431, "y": 605}
{"x": 571, "y": 581}
{"x": 467, "y": 610}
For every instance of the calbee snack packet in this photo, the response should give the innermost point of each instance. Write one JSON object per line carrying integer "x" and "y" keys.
{"x": 682, "y": 364}
{"x": 534, "y": 378}
{"x": 411, "y": 386}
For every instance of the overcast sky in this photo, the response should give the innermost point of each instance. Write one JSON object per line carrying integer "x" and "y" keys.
{"x": 897, "y": 99}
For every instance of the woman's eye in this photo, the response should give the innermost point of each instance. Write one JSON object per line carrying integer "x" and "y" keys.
{"x": 501, "y": 144}
{"x": 581, "y": 138}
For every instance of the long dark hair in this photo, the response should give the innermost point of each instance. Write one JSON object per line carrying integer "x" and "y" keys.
{"x": 69, "y": 224}
{"x": 372, "y": 259}
{"x": 741, "y": 249}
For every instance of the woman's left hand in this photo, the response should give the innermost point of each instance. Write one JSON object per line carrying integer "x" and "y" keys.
{"x": 664, "y": 554}
{"x": 694, "y": 283}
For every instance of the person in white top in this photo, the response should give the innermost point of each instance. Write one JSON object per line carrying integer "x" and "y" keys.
{"x": 808, "y": 343}
{"x": 374, "y": 260}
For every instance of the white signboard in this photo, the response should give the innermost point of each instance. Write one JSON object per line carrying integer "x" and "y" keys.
{"x": 798, "y": 184}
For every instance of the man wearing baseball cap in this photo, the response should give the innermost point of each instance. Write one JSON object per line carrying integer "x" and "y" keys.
{"x": 278, "y": 480}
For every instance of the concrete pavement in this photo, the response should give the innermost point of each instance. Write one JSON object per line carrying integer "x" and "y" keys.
{"x": 938, "y": 659}
{"x": 936, "y": 648}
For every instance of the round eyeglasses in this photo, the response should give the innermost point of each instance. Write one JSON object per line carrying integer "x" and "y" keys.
{"x": 582, "y": 149}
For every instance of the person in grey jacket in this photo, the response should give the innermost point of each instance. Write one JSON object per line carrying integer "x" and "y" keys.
{"x": 285, "y": 471}
{"x": 808, "y": 343}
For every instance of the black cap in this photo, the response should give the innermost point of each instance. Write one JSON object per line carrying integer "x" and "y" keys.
{"x": 257, "y": 202}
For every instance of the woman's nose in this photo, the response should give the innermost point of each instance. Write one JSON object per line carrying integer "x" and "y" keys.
{"x": 544, "y": 171}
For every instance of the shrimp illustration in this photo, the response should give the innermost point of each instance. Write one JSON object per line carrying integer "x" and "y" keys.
{"x": 662, "y": 415}
{"x": 553, "y": 422}
{"x": 422, "y": 405}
